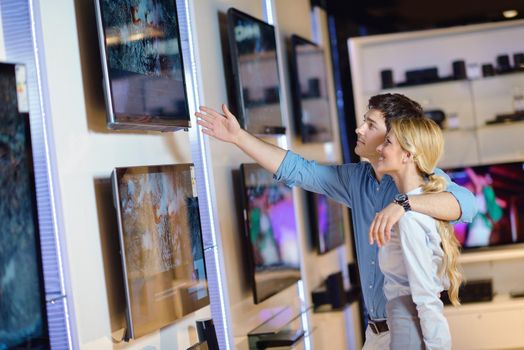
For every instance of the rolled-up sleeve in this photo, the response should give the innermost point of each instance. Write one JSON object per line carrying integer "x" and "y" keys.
{"x": 331, "y": 180}
{"x": 464, "y": 197}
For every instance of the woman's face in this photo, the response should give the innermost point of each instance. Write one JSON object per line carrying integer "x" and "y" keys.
{"x": 391, "y": 155}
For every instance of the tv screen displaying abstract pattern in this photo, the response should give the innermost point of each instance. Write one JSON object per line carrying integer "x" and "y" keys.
{"x": 271, "y": 232}
{"x": 311, "y": 108}
{"x": 161, "y": 245}
{"x": 499, "y": 192}
{"x": 23, "y": 322}
{"x": 255, "y": 67}
{"x": 327, "y": 223}
{"x": 142, "y": 64}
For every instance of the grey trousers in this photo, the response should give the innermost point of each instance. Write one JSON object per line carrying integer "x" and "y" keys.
{"x": 404, "y": 324}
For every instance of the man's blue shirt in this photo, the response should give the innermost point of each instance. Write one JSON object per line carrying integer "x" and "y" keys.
{"x": 355, "y": 186}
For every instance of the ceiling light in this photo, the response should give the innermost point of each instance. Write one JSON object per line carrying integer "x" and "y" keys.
{"x": 510, "y": 13}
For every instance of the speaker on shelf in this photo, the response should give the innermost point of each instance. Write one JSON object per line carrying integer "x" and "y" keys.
{"x": 518, "y": 60}
{"x": 459, "y": 69}
{"x": 386, "y": 77}
{"x": 503, "y": 65}
{"x": 354, "y": 279}
{"x": 206, "y": 333}
{"x": 335, "y": 290}
{"x": 488, "y": 70}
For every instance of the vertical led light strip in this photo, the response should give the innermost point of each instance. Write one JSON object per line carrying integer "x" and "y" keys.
{"x": 24, "y": 44}
{"x": 217, "y": 280}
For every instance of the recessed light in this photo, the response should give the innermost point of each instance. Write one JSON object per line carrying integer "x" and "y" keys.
{"x": 510, "y": 13}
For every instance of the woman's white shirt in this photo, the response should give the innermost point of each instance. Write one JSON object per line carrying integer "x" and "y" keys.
{"x": 411, "y": 262}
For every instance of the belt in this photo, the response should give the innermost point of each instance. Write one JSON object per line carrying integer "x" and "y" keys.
{"x": 378, "y": 326}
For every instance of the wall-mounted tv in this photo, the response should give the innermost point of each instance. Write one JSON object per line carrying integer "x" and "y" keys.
{"x": 311, "y": 109}
{"x": 499, "y": 191}
{"x": 270, "y": 232}
{"x": 23, "y": 321}
{"x": 160, "y": 245}
{"x": 142, "y": 64}
{"x": 254, "y": 62}
{"x": 327, "y": 222}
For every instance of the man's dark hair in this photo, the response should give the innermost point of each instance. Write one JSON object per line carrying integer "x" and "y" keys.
{"x": 395, "y": 106}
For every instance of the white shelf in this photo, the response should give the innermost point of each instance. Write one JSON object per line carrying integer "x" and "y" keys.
{"x": 494, "y": 254}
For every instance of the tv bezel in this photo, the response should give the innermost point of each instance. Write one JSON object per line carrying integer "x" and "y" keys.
{"x": 245, "y": 232}
{"x": 495, "y": 247}
{"x": 235, "y": 69}
{"x": 296, "y": 92}
{"x": 311, "y": 199}
{"x": 44, "y": 341}
{"x": 130, "y": 331}
{"x": 136, "y": 122}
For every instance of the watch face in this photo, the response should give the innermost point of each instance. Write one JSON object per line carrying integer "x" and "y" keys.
{"x": 401, "y": 197}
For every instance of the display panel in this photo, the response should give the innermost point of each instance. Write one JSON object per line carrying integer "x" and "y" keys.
{"x": 255, "y": 69}
{"x": 270, "y": 232}
{"x": 499, "y": 192}
{"x": 23, "y": 321}
{"x": 327, "y": 222}
{"x": 142, "y": 64}
{"x": 161, "y": 245}
{"x": 311, "y": 108}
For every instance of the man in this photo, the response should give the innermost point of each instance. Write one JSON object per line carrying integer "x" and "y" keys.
{"x": 373, "y": 197}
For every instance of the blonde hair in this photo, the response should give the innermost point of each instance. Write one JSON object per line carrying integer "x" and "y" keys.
{"x": 424, "y": 140}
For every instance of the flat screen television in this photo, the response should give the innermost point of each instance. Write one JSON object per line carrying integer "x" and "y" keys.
{"x": 311, "y": 109}
{"x": 23, "y": 320}
{"x": 499, "y": 191}
{"x": 142, "y": 64}
{"x": 326, "y": 222}
{"x": 160, "y": 245}
{"x": 270, "y": 232}
{"x": 254, "y": 63}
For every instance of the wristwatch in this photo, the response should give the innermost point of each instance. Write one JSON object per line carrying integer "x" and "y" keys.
{"x": 402, "y": 200}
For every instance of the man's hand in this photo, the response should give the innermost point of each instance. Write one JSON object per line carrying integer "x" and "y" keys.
{"x": 224, "y": 127}
{"x": 380, "y": 229}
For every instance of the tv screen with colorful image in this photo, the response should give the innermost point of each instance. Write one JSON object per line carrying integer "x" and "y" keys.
{"x": 327, "y": 222}
{"x": 142, "y": 64}
{"x": 254, "y": 61}
{"x": 161, "y": 245}
{"x": 311, "y": 108}
{"x": 270, "y": 231}
{"x": 499, "y": 192}
{"x": 23, "y": 317}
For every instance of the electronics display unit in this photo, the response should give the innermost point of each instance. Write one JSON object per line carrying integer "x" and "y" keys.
{"x": 253, "y": 50}
{"x": 142, "y": 64}
{"x": 311, "y": 108}
{"x": 161, "y": 245}
{"x": 270, "y": 232}
{"x": 23, "y": 318}
{"x": 499, "y": 191}
{"x": 326, "y": 222}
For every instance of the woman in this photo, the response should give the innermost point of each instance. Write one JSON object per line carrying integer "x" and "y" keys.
{"x": 420, "y": 260}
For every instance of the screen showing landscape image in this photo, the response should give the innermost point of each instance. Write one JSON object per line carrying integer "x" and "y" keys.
{"x": 272, "y": 232}
{"x": 257, "y": 84}
{"x": 499, "y": 192}
{"x": 22, "y": 305}
{"x": 161, "y": 241}
{"x": 144, "y": 60}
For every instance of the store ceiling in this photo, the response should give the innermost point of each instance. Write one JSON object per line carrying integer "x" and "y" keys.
{"x": 410, "y": 14}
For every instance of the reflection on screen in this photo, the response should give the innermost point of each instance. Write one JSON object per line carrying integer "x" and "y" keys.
{"x": 258, "y": 72}
{"x": 22, "y": 308}
{"x": 164, "y": 259}
{"x": 144, "y": 59}
{"x": 313, "y": 112}
{"x": 499, "y": 192}
{"x": 329, "y": 223}
{"x": 272, "y": 232}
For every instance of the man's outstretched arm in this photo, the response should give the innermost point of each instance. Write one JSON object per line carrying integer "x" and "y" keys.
{"x": 225, "y": 127}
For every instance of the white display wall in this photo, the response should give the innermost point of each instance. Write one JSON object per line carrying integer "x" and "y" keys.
{"x": 86, "y": 152}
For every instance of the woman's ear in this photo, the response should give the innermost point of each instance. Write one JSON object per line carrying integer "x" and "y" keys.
{"x": 407, "y": 157}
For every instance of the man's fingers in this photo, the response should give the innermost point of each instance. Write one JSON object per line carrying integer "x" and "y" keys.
{"x": 208, "y": 132}
{"x": 226, "y": 111}
{"x": 205, "y": 124}
{"x": 211, "y": 112}
{"x": 389, "y": 227}
{"x": 207, "y": 118}
{"x": 371, "y": 232}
